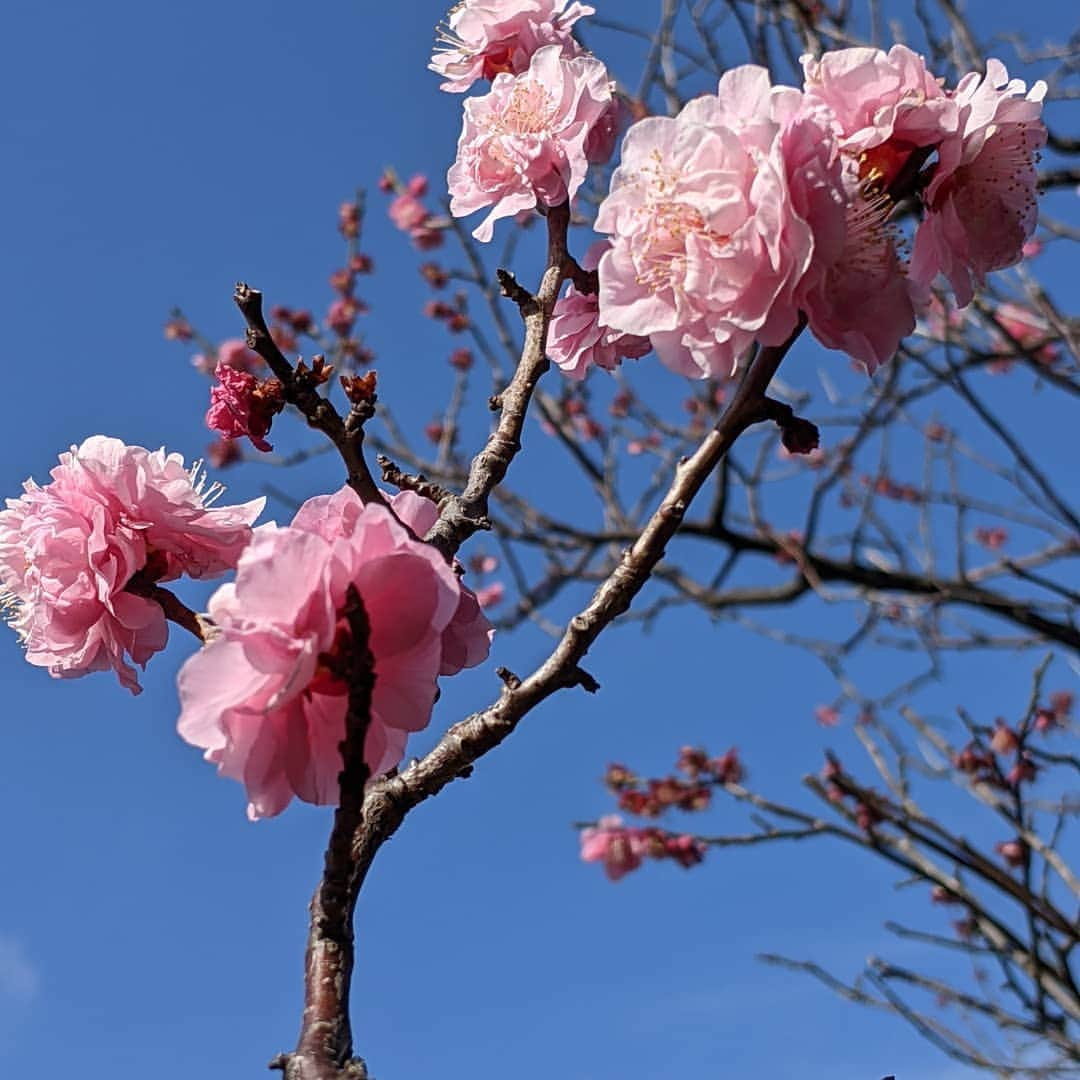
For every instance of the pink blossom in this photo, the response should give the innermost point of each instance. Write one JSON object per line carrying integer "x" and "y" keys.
{"x": 69, "y": 550}
{"x": 407, "y": 211}
{"x": 618, "y": 848}
{"x": 523, "y": 144}
{"x": 263, "y": 699}
{"x": 411, "y": 216}
{"x": 577, "y": 340}
{"x": 467, "y": 639}
{"x": 880, "y": 100}
{"x": 484, "y": 38}
{"x": 707, "y": 246}
{"x": 862, "y": 302}
{"x": 242, "y": 405}
{"x": 981, "y": 206}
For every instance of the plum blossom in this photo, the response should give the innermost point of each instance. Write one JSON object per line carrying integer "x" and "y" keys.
{"x": 484, "y": 38}
{"x": 70, "y": 550}
{"x": 577, "y": 340}
{"x": 264, "y": 700}
{"x": 981, "y": 201}
{"x": 610, "y": 842}
{"x": 524, "y": 143}
{"x": 707, "y": 245}
{"x": 862, "y": 301}
{"x": 242, "y": 405}
{"x": 883, "y": 105}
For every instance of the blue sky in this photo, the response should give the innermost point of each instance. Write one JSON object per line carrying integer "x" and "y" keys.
{"x": 154, "y": 154}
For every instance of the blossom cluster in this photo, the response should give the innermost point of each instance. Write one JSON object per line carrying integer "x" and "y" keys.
{"x": 623, "y": 848}
{"x": 114, "y": 521}
{"x": 549, "y": 115}
{"x": 266, "y": 699}
{"x": 760, "y": 205}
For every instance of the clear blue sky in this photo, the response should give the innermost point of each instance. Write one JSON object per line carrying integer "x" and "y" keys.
{"x": 153, "y": 154}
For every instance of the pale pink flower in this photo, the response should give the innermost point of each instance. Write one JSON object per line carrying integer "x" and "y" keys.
{"x": 884, "y": 105}
{"x": 467, "y": 639}
{"x": 242, "y": 405}
{"x": 707, "y": 247}
{"x": 610, "y": 842}
{"x": 263, "y": 699}
{"x": 577, "y": 341}
{"x": 412, "y": 217}
{"x": 523, "y": 144}
{"x": 981, "y": 202}
{"x": 69, "y": 549}
{"x": 407, "y": 211}
{"x": 484, "y": 38}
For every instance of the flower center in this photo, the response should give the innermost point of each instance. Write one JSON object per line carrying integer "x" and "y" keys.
{"x": 528, "y": 112}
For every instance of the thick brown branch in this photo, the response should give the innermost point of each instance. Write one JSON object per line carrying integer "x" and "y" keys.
{"x": 324, "y": 1050}
{"x": 388, "y": 800}
{"x": 464, "y": 515}
{"x": 176, "y": 611}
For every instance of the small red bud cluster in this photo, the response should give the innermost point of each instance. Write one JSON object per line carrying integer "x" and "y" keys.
{"x": 455, "y": 316}
{"x": 888, "y": 488}
{"x": 652, "y": 441}
{"x": 1057, "y": 713}
{"x": 690, "y": 792}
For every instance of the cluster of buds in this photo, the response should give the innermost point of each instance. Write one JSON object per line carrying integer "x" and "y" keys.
{"x": 885, "y": 486}
{"x": 287, "y": 324}
{"x": 576, "y": 410}
{"x": 408, "y": 212}
{"x": 975, "y": 761}
{"x": 866, "y": 813}
{"x": 1056, "y": 713}
{"x": 690, "y": 792}
{"x": 455, "y": 316}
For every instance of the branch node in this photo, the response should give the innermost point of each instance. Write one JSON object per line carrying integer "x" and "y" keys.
{"x": 512, "y": 289}
{"x": 798, "y": 436}
{"x": 510, "y": 680}
{"x": 580, "y": 677}
{"x": 403, "y": 481}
